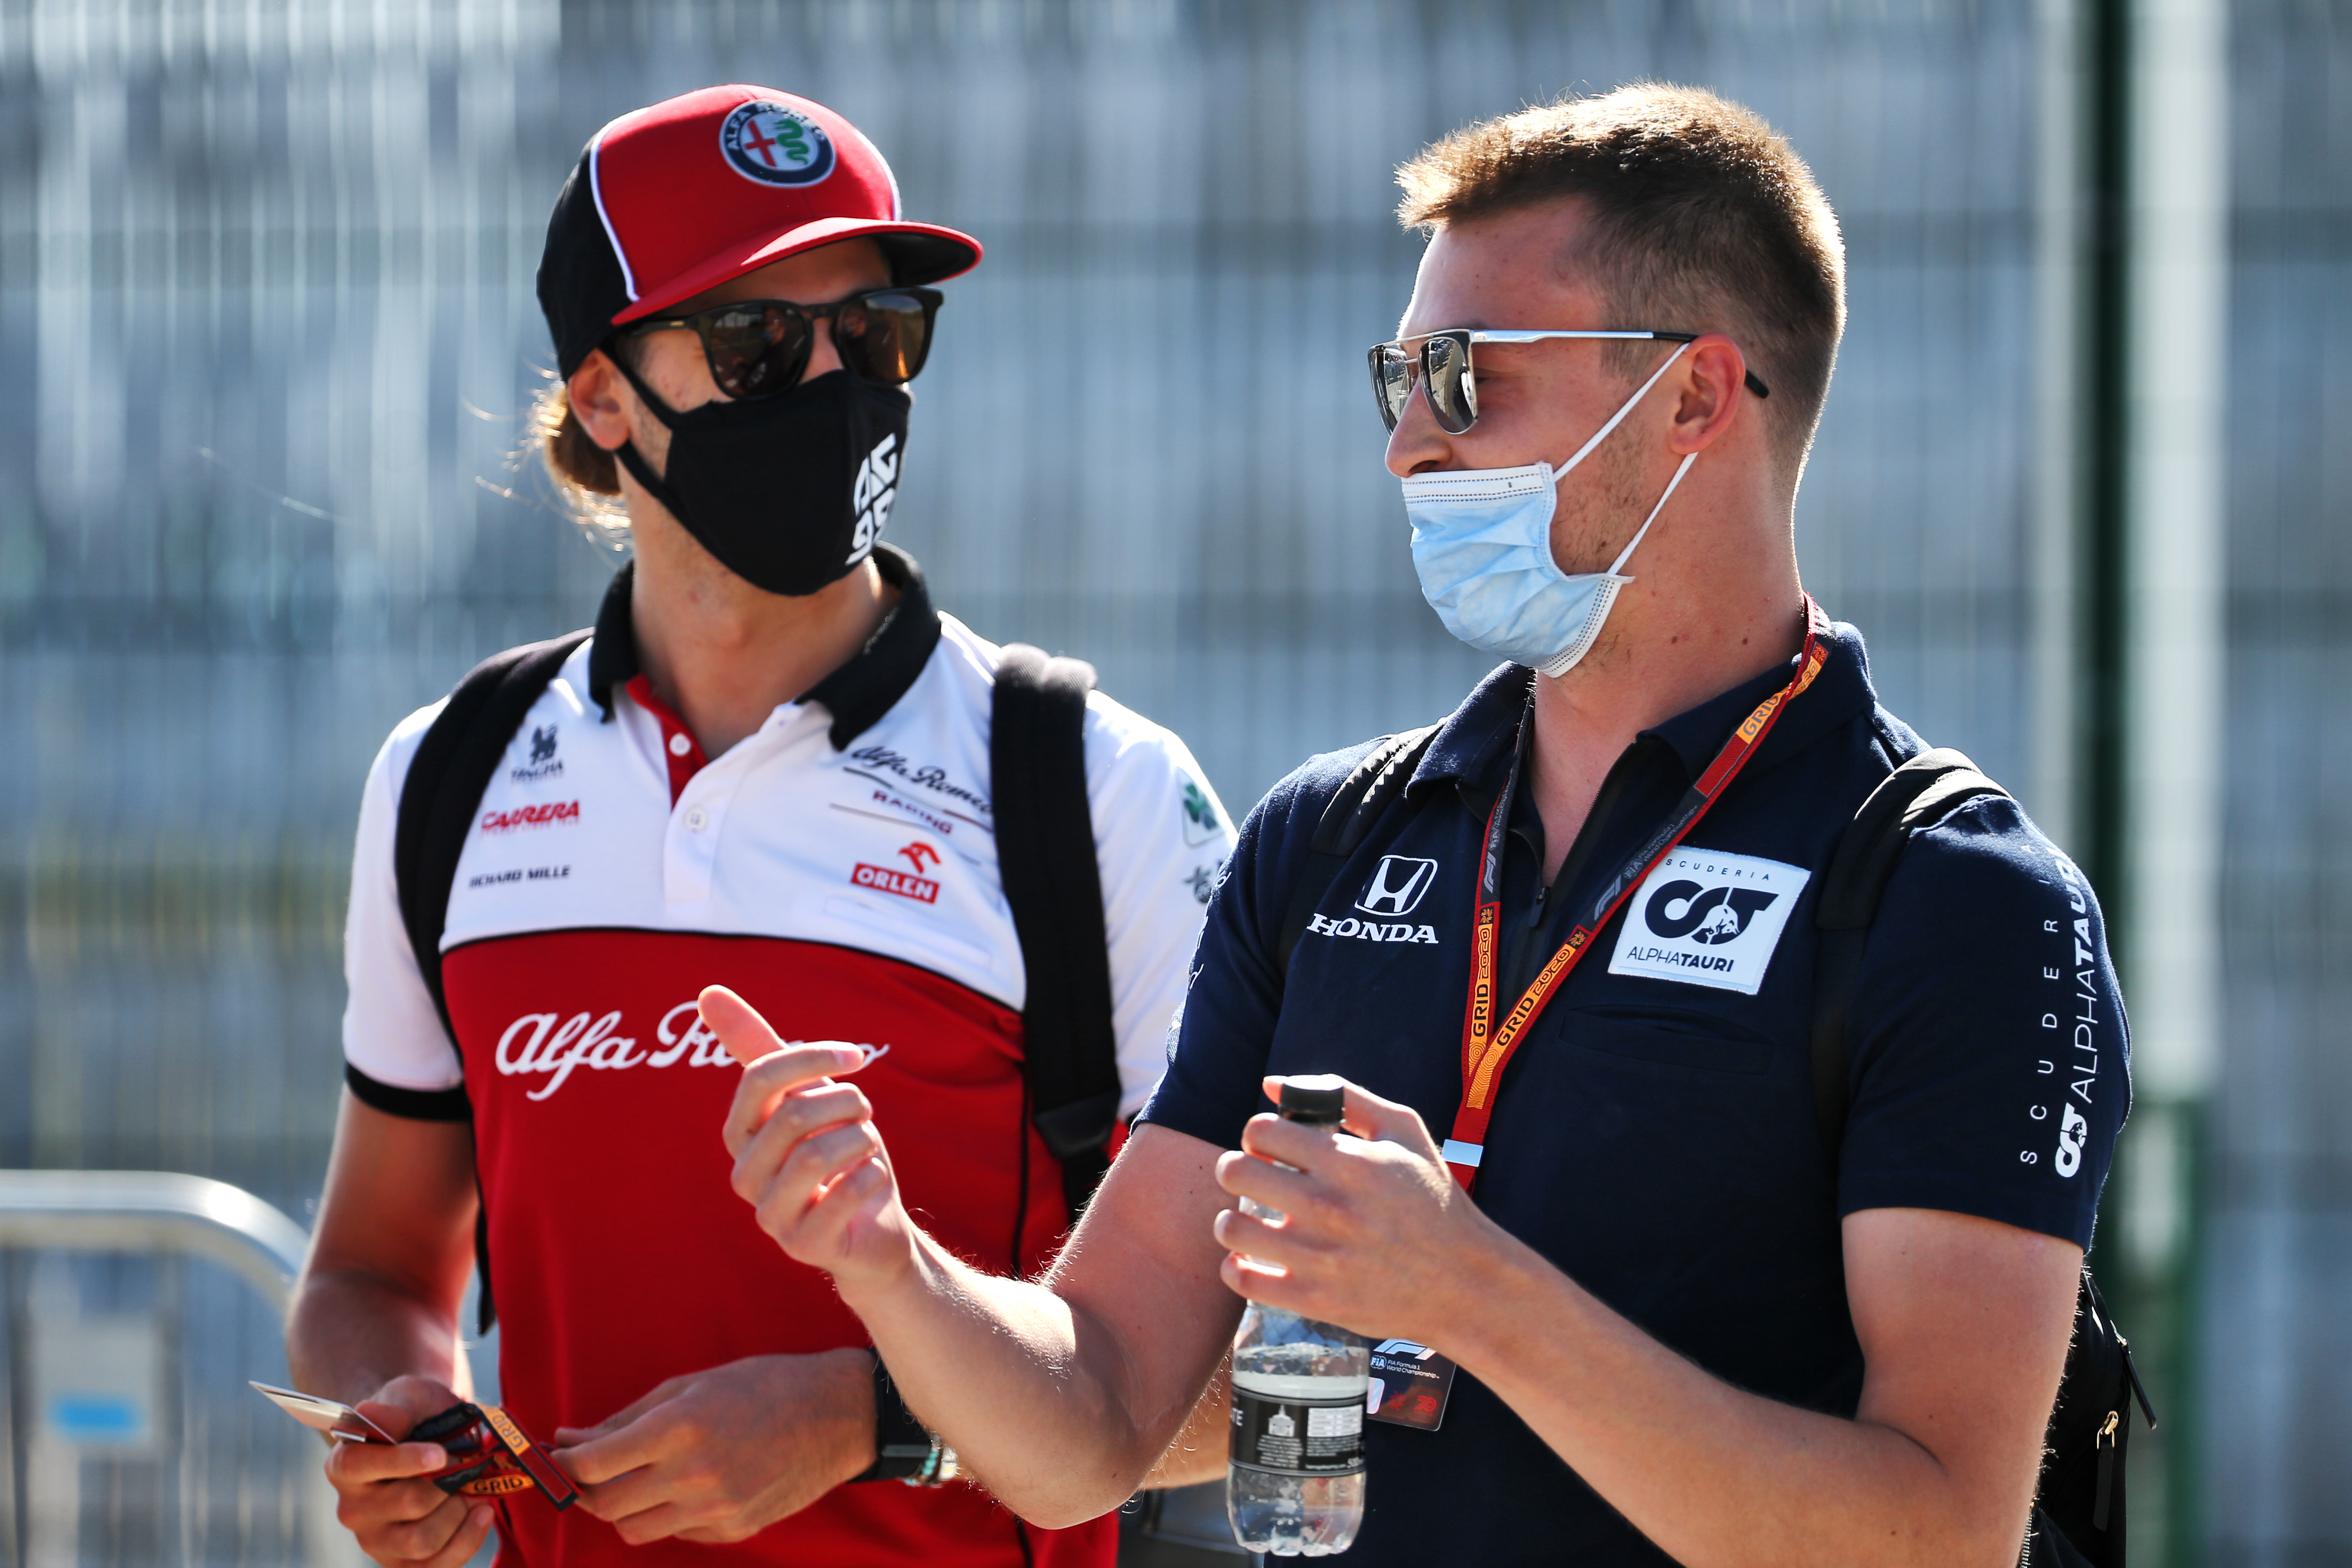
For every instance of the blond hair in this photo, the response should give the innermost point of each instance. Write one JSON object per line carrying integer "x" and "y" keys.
{"x": 1702, "y": 219}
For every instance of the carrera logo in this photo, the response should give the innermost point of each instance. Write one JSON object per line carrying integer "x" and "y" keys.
{"x": 1398, "y": 884}
{"x": 1372, "y": 931}
{"x": 883, "y": 879}
{"x": 531, "y": 816}
{"x": 1707, "y": 917}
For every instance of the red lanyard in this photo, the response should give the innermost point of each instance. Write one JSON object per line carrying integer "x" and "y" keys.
{"x": 1486, "y": 1048}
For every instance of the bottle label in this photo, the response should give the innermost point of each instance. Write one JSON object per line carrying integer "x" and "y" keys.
{"x": 1297, "y": 1437}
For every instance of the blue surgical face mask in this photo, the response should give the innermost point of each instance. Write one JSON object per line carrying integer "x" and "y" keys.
{"x": 1482, "y": 544}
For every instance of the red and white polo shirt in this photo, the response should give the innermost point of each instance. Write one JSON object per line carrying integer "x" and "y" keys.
{"x": 837, "y": 868}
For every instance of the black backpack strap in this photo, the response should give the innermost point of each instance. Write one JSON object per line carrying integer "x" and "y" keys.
{"x": 1922, "y": 790}
{"x": 1046, "y": 857}
{"x": 453, "y": 765}
{"x": 1348, "y": 818}
{"x": 2078, "y": 1520}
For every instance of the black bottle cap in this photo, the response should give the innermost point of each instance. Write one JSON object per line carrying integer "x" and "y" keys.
{"x": 1319, "y": 1100}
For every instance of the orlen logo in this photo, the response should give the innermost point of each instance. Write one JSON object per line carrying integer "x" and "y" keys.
{"x": 1707, "y": 916}
{"x": 537, "y": 1042}
{"x": 1398, "y": 884}
{"x": 531, "y": 816}
{"x": 883, "y": 879}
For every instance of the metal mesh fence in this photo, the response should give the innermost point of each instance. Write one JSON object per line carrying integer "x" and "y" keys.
{"x": 267, "y": 320}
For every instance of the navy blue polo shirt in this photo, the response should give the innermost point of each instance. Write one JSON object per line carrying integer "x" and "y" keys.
{"x": 1655, "y": 1136}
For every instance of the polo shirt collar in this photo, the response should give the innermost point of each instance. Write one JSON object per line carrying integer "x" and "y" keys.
{"x": 857, "y": 694}
{"x": 1474, "y": 742}
{"x": 1477, "y": 737}
{"x": 1839, "y": 693}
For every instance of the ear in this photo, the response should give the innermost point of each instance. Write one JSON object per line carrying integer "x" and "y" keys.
{"x": 602, "y": 400}
{"x": 1712, "y": 392}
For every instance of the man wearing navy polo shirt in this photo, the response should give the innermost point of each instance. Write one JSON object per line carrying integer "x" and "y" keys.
{"x": 1569, "y": 975}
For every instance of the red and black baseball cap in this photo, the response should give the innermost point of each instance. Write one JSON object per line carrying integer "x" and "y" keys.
{"x": 668, "y": 201}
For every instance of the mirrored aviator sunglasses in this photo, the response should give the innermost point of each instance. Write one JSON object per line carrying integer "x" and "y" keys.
{"x": 757, "y": 348}
{"x": 1443, "y": 361}
{"x": 1440, "y": 363}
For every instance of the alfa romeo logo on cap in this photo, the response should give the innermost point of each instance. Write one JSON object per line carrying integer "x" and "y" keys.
{"x": 775, "y": 145}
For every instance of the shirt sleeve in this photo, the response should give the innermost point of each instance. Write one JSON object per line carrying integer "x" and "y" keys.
{"x": 399, "y": 1058}
{"x": 1991, "y": 1061}
{"x": 1162, "y": 839}
{"x": 1223, "y": 1033}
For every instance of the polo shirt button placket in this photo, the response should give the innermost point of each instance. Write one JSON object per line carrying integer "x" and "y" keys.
{"x": 692, "y": 844}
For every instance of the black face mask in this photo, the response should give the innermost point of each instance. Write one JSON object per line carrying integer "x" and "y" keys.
{"x": 790, "y": 492}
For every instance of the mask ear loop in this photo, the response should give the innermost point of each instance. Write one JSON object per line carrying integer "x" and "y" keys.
{"x": 1617, "y": 566}
{"x": 1619, "y": 417}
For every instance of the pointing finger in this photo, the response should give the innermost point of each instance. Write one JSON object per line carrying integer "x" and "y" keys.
{"x": 738, "y": 1025}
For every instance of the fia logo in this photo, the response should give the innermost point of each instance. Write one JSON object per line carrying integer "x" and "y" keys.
{"x": 1398, "y": 884}
{"x": 771, "y": 145}
{"x": 877, "y": 488}
{"x": 1708, "y": 918}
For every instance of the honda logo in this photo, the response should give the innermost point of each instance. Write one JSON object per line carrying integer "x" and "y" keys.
{"x": 1398, "y": 884}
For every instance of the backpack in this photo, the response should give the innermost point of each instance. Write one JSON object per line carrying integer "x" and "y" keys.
{"x": 2078, "y": 1514}
{"x": 1046, "y": 849}
{"x": 2078, "y": 1508}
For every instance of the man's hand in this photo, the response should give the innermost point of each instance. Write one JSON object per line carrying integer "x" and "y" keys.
{"x": 1374, "y": 1224}
{"x": 718, "y": 1455}
{"x": 808, "y": 1157}
{"x": 401, "y": 1519}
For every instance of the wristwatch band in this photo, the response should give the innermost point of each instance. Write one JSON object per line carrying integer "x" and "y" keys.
{"x": 904, "y": 1450}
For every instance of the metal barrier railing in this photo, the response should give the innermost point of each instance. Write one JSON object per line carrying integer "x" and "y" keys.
{"x": 132, "y": 1306}
{"x": 123, "y": 1387}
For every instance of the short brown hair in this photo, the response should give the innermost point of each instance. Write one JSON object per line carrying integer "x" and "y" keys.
{"x": 1702, "y": 219}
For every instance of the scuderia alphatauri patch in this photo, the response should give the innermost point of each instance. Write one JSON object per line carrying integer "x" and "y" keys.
{"x": 1707, "y": 917}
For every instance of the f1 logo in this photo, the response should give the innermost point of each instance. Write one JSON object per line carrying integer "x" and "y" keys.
{"x": 1398, "y": 884}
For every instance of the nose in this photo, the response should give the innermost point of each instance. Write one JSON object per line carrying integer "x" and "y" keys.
{"x": 824, "y": 356}
{"x": 1417, "y": 445}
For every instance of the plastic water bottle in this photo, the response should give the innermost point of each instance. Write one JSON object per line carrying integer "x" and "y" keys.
{"x": 1294, "y": 1486}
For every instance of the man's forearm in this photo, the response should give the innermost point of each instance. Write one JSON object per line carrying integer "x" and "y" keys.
{"x": 350, "y": 1334}
{"x": 1202, "y": 1445}
{"x": 1716, "y": 1477}
{"x": 1022, "y": 1384}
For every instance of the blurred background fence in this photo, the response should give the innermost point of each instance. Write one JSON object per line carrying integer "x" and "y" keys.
{"x": 267, "y": 328}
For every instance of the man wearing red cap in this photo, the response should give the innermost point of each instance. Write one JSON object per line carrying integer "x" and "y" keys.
{"x": 769, "y": 766}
